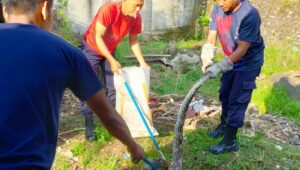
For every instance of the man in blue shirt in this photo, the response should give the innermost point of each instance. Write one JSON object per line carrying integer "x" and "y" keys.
{"x": 237, "y": 24}
{"x": 35, "y": 69}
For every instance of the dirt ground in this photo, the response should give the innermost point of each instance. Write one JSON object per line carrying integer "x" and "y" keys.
{"x": 165, "y": 109}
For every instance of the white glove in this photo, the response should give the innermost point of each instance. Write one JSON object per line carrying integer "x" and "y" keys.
{"x": 207, "y": 55}
{"x": 223, "y": 66}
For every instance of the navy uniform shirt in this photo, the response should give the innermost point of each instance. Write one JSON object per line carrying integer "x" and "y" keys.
{"x": 242, "y": 25}
{"x": 35, "y": 69}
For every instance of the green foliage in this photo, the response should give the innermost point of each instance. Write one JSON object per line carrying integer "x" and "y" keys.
{"x": 61, "y": 5}
{"x": 102, "y": 134}
{"x": 203, "y": 20}
{"x": 201, "y": 24}
{"x": 62, "y": 26}
{"x": 78, "y": 149}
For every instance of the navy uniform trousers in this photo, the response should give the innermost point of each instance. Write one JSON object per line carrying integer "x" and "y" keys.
{"x": 235, "y": 94}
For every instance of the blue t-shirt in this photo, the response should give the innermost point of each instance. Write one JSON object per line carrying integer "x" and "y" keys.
{"x": 35, "y": 69}
{"x": 242, "y": 25}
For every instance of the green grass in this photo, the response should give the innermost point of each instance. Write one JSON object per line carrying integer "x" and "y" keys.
{"x": 88, "y": 153}
{"x": 171, "y": 82}
{"x": 279, "y": 59}
{"x": 78, "y": 149}
{"x": 255, "y": 153}
{"x": 61, "y": 163}
{"x": 187, "y": 44}
{"x": 275, "y": 100}
{"x": 107, "y": 164}
{"x": 272, "y": 99}
{"x": 151, "y": 47}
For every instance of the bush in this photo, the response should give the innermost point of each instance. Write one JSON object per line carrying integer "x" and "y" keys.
{"x": 62, "y": 26}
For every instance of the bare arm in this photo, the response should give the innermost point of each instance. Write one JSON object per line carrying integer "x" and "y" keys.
{"x": 238, "y": 53}
{"x": 136, "y": 49}
{"x": 100, "y": 31}
{"x": 113, "y": 122}
{"x": 241, "y": 50}
{"x": 212, "y": 37}
{"x": 227, "y": 63}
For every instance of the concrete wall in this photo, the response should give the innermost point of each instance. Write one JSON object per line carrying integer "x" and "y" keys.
{"x": 158, "y": 15}
{"x": 81, "y": 12}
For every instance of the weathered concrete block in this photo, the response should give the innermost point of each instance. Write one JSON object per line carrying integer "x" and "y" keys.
{"x": 290, "y": 81}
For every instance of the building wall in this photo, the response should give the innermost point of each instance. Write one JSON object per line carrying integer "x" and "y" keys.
{"x": 158, "y": 15}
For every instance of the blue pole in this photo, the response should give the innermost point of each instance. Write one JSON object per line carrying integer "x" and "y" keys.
{"x": 144, "y": 120}
{"x": 149, "y": 163}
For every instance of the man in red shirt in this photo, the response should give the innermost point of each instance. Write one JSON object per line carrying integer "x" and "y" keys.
{"x": 112, "y": 23}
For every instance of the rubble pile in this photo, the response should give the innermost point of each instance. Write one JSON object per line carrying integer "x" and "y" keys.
{"x": 206, "y": 115}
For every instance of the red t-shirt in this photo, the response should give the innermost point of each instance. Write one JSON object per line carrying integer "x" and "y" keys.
{"x": 118, "y": 26}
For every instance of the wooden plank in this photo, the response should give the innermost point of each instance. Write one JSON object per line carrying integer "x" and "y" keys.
{"x": 149, "y": 57}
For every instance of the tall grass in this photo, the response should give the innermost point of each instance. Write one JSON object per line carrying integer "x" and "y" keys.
{"x": 279, "y": 59}
{"x": 275, "y": 100}
{"x": 272, "y": 99}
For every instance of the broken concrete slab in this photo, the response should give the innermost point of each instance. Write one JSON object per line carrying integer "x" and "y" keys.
{"x": 181, "y": 61}
{"x": 290, "y": 81}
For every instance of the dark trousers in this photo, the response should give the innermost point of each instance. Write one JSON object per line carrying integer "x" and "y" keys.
{"x": 100, "y": 65}
{"x": 235, "y": 95}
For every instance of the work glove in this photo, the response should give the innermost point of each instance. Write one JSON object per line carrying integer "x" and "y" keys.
{"x": 207, "y": 55}
{"x": 223, "y": 66}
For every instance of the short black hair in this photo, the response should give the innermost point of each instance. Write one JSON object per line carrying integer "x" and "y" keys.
{"x": 23, "y": 6}
{"x": 1, "y": 14}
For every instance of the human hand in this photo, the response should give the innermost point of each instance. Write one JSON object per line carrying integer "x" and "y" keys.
{"x": 145, "y": 65}
{"x": 223, "y": 66}
{"x": 115, "y": 66}
{"x": 137, "y": 153}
